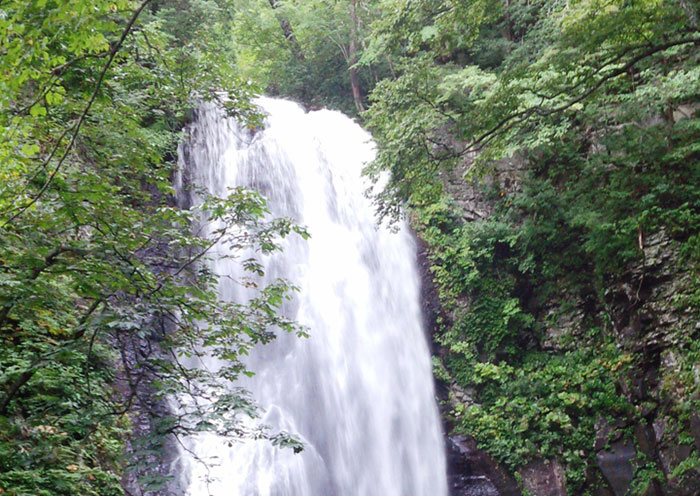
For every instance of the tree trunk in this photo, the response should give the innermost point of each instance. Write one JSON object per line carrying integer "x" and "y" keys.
{"x": 288, "y": 32}
{"x": 352, "y": 58}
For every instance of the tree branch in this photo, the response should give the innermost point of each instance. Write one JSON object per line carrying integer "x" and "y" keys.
{"x": 512, "y": 120}
{"x": 76, "y": 129}
{"x": 49, "y": 260}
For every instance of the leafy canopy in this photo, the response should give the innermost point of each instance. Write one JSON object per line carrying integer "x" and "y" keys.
{"x": 103, "y": 289}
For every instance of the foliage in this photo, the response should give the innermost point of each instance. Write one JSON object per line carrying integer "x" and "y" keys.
{"x": 574, "y": 125}
{"x": 500, "y": 278}
{"x": 544, "y": 407}
{"x": 473, "y": 261}
{"x": 532, "y": 403}
{"x": 102, "y": 289}
{"x": 313, "y": 67}
{"x": 568, "y": 68}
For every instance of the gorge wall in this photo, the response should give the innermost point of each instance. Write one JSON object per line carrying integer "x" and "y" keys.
{"x": 521, "y": 414}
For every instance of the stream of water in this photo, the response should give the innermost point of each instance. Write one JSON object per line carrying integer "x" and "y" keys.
{"x": 358, "y": 392}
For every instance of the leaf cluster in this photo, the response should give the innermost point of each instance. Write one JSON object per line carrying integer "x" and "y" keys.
{"x": 104, "y": 287}
{"x": 574, "y": 126}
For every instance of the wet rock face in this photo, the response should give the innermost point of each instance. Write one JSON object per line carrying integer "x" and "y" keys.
{"x": 472, "y": 472}
{"x": 150, "y": 461}
{"x": 695, "y": 429}
{"x": 544, "y": 478}
{"x": 616, "y": 465}
{"x": 470, "y": 194}
{"x": 615, "y": 456}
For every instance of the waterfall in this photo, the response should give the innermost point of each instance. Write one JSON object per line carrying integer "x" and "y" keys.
{"x": 357, "y": 392}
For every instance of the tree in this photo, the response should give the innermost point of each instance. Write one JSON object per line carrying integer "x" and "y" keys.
{"x": 565, "y": 60}
{"x": 100, "y": 281}
{"x": 315, "y": 56}
{"x": 575, "y": 126}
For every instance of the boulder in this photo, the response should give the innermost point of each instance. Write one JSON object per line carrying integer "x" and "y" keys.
{"x": 616, "y": 465}
{"x": 472, "y": 472}
{"x": 544, "y": 478}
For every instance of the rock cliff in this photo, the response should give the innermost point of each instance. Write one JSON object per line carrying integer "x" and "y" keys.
{"x": 650, "y": 447}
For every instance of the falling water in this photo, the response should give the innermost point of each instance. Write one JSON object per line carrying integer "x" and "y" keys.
{"x": 358, "y": 392}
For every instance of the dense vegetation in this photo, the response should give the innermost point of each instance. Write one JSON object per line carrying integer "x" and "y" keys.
{"x": 545, "y": 150}
{"x": 100, "y": 285}
{"x": 548, "y": 152}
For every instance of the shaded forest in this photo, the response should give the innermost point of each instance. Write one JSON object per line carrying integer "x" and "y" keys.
{"x": 545, "y": 151}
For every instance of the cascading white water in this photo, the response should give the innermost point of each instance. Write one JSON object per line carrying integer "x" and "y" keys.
{"x": 358, "y": 392}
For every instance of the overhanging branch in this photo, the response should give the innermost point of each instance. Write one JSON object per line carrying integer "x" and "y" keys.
{"x": 76, "y": 128}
